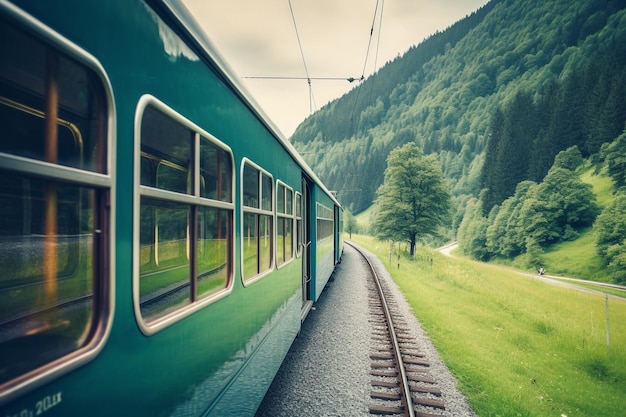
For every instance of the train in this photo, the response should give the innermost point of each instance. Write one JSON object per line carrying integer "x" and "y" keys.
{"x": 161, "y": 241}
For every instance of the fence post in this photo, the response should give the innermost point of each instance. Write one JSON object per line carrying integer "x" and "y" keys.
{"x": 608, "y": 328}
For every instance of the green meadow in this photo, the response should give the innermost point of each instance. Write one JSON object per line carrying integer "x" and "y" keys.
{"x": 518, "y": 346}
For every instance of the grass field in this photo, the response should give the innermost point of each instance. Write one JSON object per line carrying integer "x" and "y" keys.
{"x": 518, "y": 346}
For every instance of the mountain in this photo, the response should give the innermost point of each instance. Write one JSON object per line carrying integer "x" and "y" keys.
{"x": 496, "y": 96}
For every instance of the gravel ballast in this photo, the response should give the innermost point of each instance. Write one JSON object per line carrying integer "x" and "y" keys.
{"x": 326, "y": 372}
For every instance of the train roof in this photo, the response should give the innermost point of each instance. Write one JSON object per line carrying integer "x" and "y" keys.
{"x": 187, "y": 22}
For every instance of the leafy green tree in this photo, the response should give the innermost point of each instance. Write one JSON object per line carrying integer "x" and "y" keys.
{"x": 573, "y": 201}
{"x": 611, "y": 224}
{"x": 610, "y": 229}
{"x": 615, "y": 157}
{"x": 561, "y": 204}
{"x": 351, "y": 226}
{"x": 571, "y": 158}
{"x": 505, "y": 235}
{"x": 414, "y": 200}
{"x": 472, "y": 235}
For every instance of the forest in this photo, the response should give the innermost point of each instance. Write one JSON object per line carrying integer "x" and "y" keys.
{"x": 495, "y": 97}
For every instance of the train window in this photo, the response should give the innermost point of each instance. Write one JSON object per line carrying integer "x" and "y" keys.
{"x": 299, "y": 231}
{"x": 289, "y": 202}
{"x": 251, "y": 186}
{"x": 167, "y": 146}
{"x": 325, "y": 222}
{"x": 257, "y": 233}
{"x": 284, "y": 226}
{"x": 54, "y": 191}
{"x": 185, "y": 218}
{"x": 31, "y": 72}
{"x": 280, "y": 199}
{"x": 215, "y": 173}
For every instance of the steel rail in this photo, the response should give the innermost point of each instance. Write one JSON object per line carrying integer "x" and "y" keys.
{"x": 407, "y": 399}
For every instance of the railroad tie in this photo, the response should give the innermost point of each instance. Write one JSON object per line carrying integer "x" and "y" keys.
{"x": 385, "y": 395}
{"x": 387, "y": 373}
{"x": 382, "y": 410}
{"x": 430, "y": 402}
{"x": 426, "y": 390}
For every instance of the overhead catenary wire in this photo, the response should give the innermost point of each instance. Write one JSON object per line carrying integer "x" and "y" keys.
{"x": 266, "y": 77}
{"x": 367, "y": 53}
{"x": 308, "y": 77}
{"x": 306, "y": 69}
{"x": 369, "y": 41}
{"x": 380, "y": 29}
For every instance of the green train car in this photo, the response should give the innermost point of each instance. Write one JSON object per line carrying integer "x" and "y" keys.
{"x": 160, "y": 240}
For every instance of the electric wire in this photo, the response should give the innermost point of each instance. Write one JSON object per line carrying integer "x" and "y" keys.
{"x": 306, "y": 69}
{"x": 308, "y": 77}
{"x": 380, "y": 29}
{"x": 270, "y": 77}
{"x": 369, "y": 43}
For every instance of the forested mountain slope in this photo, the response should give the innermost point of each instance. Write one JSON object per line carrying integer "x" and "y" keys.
{"x": 535, "y": 76}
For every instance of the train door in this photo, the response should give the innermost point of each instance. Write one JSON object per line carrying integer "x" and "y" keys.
{"x": 305, "y": 242}
{"x": 337, "y": 234}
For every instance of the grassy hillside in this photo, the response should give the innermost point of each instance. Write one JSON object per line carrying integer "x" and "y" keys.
{"x": 518, "y": 346}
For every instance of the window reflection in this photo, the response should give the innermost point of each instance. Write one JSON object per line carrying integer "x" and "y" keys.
{"x": 250, "y": 245}
{"x": 164, "y": 252}
{"x": 250, "y": 186}
{"x": 166, "y": 145}
{"x": 266, "y": 187}
{"x": 215, "y": 172}
{"x": 213, "y": 249}
{"x": 265, "y": 243}
{"x": 46, "y": 279}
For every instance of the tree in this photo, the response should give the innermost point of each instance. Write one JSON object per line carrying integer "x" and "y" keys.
{"x": 611, "y": 236}
{"x": 351, "y": 224}
{"x": 413, "y": 202}
{"x": 615, "y": 156}
{"x": 569, "y": 200}
{"x": 505, "y": 236}
{"x": 473, "y": 231}
{"x": 571, "y": 158}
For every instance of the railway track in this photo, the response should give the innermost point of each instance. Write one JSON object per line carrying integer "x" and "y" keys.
{"x": 401, "y": 381}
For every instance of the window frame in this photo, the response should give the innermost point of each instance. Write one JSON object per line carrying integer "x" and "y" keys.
{"x": 192, "y": 199}
{"x": 101, "y": 182}
{"x": 286, "y": 217}
{"x": 257, "y": 211}
{"x": 326, "y": 215}
{"x": 298, "y": 227}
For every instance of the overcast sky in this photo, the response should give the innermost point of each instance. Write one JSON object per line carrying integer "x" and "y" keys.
{"x": 257, "y": 38}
